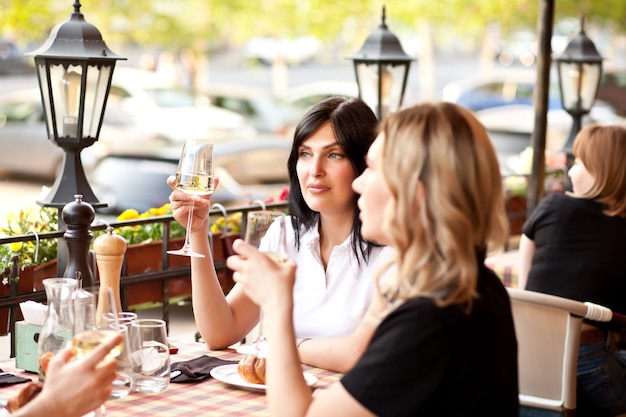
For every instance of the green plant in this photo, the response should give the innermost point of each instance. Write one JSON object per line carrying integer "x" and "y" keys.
{"x": 28, "y": 220}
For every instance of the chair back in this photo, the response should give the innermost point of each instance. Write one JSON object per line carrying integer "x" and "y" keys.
{"x": 548, "y": 335}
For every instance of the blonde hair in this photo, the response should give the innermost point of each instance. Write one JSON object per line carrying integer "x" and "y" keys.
{"x": 603, "y": 151}
{"x": 443, "y": 147}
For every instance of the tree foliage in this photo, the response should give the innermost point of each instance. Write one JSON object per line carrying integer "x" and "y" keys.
{"x": 198, "y": 24}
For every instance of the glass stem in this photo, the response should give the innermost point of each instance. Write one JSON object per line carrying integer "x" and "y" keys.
{"x": 187, "y": 245}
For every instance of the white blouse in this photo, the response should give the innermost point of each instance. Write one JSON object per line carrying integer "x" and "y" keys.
{"x": 332, "y": 302}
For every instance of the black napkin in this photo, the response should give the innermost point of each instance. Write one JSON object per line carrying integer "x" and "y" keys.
{"x": 7, "y": 379}
{"x": 196, "y": 369}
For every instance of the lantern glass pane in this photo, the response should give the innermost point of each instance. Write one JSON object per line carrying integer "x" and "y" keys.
{"x": 368, "y": 84}
{"x": 66, "y": 84}
{"x": 97, "y": 83}
{"x": 579, "y": 84}
{"x": 389, "y": 82}
{"x": 393, "y": 80}
{"x": 42, "y": 75}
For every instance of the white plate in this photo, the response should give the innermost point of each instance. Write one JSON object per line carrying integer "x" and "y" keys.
{"x": 229, "y": 375}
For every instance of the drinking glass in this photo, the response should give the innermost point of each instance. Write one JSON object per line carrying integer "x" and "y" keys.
{"x": 194, "y": 175}
{"x": 151, "y": 356}
{"x": 258, "y": 222}
{"x": 95, "y": 321}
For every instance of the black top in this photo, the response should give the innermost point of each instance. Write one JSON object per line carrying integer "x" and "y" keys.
{"x": 580, "y": 253}
{"x": 431, "y": 361}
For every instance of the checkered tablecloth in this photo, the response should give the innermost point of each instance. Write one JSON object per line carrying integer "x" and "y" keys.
{"x": 207, "y": 398}
{"x": 506, "y": 266}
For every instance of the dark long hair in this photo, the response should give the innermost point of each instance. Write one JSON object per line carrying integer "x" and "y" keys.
{"x": 355, "y": 128}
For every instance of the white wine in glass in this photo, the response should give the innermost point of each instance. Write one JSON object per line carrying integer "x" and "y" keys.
{"x": 92, "y": 306}
{"x": 86, "y": 341}
{"x": 195, "y": 175}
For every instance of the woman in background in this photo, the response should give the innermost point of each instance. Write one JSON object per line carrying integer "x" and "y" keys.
{"x": 574, "y": 246}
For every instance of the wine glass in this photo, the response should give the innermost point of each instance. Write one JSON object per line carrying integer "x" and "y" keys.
{"x": 96, "y": 321}
{"x": 194, "y": 176}
{"x": 258, "y": 222}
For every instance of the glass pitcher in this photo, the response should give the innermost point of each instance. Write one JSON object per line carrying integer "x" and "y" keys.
{"x": 58, "y": 326}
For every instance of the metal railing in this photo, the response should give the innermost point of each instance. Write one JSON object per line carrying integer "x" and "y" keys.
{"x": 127, "y": 280}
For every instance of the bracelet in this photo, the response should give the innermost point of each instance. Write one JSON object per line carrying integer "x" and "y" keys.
{"x": 302, "y": 341}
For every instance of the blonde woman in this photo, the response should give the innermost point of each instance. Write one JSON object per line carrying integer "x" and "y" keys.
{"x": 445, "y": 344}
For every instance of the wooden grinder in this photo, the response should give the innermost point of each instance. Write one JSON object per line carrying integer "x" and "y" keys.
{"x": 110, "y": 249}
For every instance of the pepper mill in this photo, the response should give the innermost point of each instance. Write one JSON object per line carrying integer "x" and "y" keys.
{"x": 78, "y": 216}
{"x": 110, "y": 249}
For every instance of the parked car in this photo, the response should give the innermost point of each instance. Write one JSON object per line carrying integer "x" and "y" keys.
{"x": 296, "y": 51}
{"x": 13, "y": 61}
{"x": 247, "y": 170}
{"x": 305, "y": 95}
{"x": 172, "y": 114}
{"x": 501, "y": 89}
{"x": 510, "y": 88}
{"x": 266, "y": 113}
{"x": 519, "y": 122}
{"x": 519, "y": 47}
{"x": 24, "y": 146}
{"x": 612, "y": 90}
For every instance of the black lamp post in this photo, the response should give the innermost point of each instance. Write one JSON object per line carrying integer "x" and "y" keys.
{"x": 579, "y": 68}
{"x": 74, "y": 67}
{"x": 381, "y": 68}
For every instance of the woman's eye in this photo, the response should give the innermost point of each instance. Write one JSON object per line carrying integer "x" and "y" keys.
{"x": 303, "y": 154}
{"x": 335, "y": 155}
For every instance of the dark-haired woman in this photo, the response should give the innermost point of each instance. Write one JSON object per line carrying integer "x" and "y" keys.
{"x": 334, "y": 286}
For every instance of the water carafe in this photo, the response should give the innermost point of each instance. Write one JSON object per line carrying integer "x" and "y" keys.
{"x": 58, "y": 326}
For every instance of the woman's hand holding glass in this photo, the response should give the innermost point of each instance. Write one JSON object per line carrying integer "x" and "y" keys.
{"x": 182, "y": 204}
{"x": 195, "y": 176}
{"x": 256, "y": 270}
{"x": 79, "y": 386}
{"x": 95, "y": 323}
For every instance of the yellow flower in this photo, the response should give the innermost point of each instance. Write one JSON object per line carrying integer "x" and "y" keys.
{"x": 129, "y": 214}
{"x": 16, "y": 246}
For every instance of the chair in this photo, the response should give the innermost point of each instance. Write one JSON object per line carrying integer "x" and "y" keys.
{"x": 548, "y": 329}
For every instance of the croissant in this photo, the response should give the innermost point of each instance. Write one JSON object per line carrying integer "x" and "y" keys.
{"x": 252, "y": 369}
{"x": 26, "y": 394}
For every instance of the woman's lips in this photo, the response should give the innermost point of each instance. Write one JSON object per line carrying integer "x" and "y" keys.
{"x": 317, "y": 188}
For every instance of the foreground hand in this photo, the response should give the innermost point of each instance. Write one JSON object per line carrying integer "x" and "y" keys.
{"x": 180, "y": 203}
{"x": 262, "y": 279}
{"x": 73, "y": 388}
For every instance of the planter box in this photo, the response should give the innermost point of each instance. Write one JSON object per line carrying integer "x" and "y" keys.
{"x": 516, "y": 212}
{"x": 147, "y": 257}
{"x": 25, "y": 284}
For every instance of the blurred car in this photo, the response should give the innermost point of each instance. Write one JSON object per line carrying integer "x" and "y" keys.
{"x": 511, "y": 88}
{"x": 247, "y": 170}
{"x": 305, "y": 95}
{"x": 13, "y": 61}
{"x": 267, "y": 114}
{"x": 612, "y": 90}
{"x": 516, "y": 123}
{"x": 172, "y": 114}
{"x": 502, "y": 89}
{"x": 518, "y": 48}
{"x": 24, "y": 146}
{"x": 296, "y": 51}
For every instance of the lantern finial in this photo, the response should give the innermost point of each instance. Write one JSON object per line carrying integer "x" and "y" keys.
{"x": 383, "y": 24}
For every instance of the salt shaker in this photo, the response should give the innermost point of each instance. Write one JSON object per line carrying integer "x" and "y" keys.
{"x": 110, "y": 249}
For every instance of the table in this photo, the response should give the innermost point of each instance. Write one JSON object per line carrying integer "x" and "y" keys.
{"x": 506, "y": 266}
{"x": 207, "y": 398}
